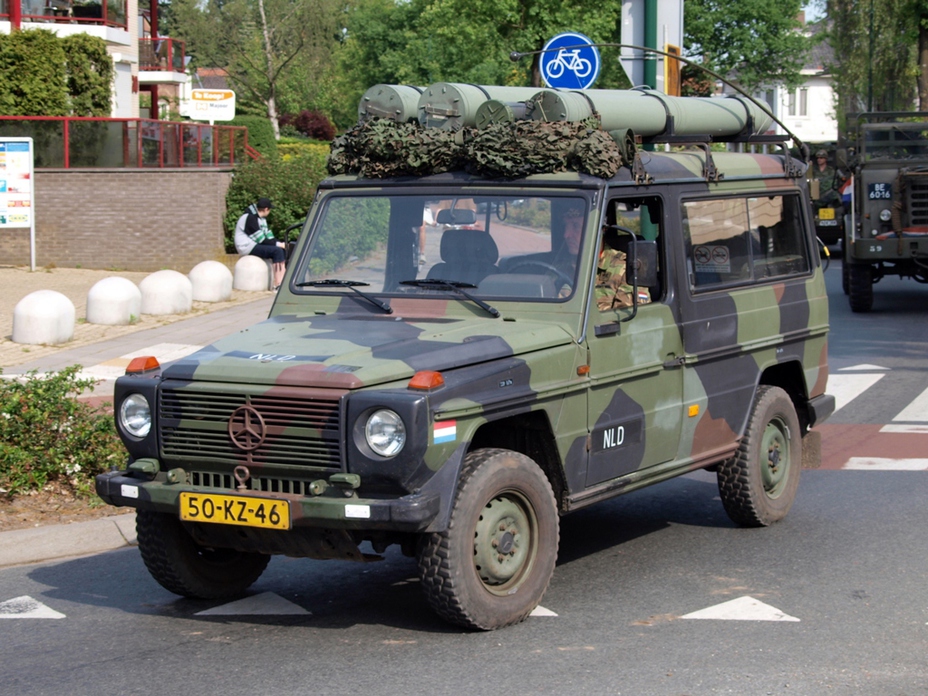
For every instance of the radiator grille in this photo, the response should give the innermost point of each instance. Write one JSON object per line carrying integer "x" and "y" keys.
{"x": 300, "y": 430}
{"x": 917, "y": 190}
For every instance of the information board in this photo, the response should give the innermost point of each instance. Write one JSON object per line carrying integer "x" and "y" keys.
{"x": 17, "y": 191}
{"x": 212, "y": 105}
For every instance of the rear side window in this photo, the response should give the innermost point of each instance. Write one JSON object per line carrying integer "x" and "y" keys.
{"x": 744, "y": 240}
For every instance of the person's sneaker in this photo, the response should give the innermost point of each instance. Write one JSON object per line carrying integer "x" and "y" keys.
{"x": 422, "y": 260}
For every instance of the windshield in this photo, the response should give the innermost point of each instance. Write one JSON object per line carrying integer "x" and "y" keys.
{"x": 495, "y": 247}
{"x": 895, "y": 140}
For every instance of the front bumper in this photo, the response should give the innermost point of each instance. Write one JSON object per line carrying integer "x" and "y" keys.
{"x": 409, "y": 513}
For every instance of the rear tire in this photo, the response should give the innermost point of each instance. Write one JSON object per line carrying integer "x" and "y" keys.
{"x": 183, "y": 567}
{"x": 492, "y": 565}
{"x": 758, "y": 485}
{"x": 860, "y": 287}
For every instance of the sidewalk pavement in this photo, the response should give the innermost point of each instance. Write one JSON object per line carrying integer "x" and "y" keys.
{"x": 107, "y": 359}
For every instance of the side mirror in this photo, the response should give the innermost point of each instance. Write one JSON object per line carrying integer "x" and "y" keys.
{"x": 646, "y": 263}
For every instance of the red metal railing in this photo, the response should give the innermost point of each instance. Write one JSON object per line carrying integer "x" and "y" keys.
{"x": 161, "y": 54}
{"x": 61, "y": 142}
{"x": 106, "y": 12}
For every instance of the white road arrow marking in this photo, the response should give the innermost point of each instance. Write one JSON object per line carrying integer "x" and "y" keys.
{"x": 26, "y": 607}
{"x": 264, "y": 604}
{"x": 741, "y": 609}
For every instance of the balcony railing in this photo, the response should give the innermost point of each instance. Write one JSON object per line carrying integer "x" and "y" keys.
{"x": 106, "y": 12}
{"x": 161, "y": 54}
{"x": 65, "y": 142}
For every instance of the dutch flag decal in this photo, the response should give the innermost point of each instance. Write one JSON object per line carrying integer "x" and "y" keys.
{"x": 444, "y": 431}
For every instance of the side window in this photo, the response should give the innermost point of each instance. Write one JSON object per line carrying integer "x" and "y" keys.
{"x": 733, "y": 241}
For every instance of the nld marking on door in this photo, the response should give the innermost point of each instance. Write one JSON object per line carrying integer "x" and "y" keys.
{"x": 613, "y": 437}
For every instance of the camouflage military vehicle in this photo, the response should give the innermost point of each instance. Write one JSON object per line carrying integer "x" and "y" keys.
{"x": 886, "y": 230}
{"x": 457, "y": 406}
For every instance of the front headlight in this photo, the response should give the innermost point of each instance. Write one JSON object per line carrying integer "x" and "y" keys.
{"x": 385, "y": 432}
{"x": 135, "y": 416}
{"x": 886, "y": 215}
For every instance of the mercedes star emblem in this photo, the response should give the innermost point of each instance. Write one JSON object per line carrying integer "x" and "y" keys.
{"x": 246, "y": 428}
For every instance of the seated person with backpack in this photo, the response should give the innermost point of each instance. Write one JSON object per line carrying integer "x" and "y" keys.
{"x": 253, "y": 237}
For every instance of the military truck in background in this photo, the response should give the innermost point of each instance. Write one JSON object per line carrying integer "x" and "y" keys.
{"x": 886, "y": 227}
{"x": 457, "y": 406}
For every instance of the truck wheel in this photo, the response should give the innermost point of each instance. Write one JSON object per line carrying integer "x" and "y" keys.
{"x": 492, "y": 565}
{"x": 860, "y": 287}
{"x": 183, "y": 567}
{"x": 758, "y": 485}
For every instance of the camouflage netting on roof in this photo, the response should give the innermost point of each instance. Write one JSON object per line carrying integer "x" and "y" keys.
{"x": 382, "y": 148}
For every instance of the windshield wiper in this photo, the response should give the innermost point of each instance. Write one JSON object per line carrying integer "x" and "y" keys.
{"x": 352, "y": 285}
{"x": 455, "y": 286}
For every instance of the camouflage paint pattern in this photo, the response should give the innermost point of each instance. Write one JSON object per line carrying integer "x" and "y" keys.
{"x": 603, "y": 405}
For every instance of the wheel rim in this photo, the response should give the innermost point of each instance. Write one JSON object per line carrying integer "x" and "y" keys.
{"x": 775, "y": 459}
{"x": 505, "y": 542}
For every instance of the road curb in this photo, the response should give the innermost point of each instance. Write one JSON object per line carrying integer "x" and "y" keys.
{"x": 37, "y": 544}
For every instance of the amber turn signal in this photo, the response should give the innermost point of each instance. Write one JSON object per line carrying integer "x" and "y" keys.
{"x": 426, "y": 380}
{"x": 143, "y": 363}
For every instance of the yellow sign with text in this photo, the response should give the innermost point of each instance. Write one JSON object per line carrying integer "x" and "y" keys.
{"x": 212, "y": 104}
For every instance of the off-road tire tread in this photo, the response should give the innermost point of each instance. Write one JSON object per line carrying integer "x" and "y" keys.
{"x": 435, "y": 573}
{"x": 160, "y": 538}
{"x": 734, "y": 475}
{"x": 860, "y": 287}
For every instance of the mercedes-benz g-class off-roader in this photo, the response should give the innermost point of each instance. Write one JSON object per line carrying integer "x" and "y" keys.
{"x": 886, "y": 230}
{"x": 590, "y": 317}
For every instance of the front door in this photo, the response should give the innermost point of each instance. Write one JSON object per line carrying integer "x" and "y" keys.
{"x": 635, "y": 400}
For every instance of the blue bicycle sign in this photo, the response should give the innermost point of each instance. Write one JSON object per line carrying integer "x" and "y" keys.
{"x": 570, "y": 61}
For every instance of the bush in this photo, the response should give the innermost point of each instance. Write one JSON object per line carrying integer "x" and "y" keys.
{"x": 260, "y": 133}
{"x": 290, "y": 183}
{"x": 312, "y": 124}
{"x": 48, "y": 436}
{"x": 33, "y": 76}
{"x": 302, "y": 148}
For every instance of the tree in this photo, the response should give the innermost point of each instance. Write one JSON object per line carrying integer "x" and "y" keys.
{"x": 421, "y": 42}
{"x": 876, "y": 67}
{"x": 33, "y": 75}
{"x": 258, "y": 42}
{"x": 756, "y": 41}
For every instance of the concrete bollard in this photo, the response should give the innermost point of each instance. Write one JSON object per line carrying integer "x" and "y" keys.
{"x": 114, "y": 301}
{"x": 252, "y": 274}
{"x": 43, "y": 317}
{"x": 166, "y": 292}
{"x": 212, "y": 282}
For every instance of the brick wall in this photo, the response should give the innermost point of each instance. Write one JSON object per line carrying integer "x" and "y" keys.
{"x": 119, "y": 219}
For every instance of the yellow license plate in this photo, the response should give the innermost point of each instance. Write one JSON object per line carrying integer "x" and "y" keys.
{"x": 826, "y": 214}
{"x": 240, "y": 510}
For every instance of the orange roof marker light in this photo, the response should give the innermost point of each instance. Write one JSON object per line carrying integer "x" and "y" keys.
{"x": 426, "y": 380}
{"x": 143, "y": 363}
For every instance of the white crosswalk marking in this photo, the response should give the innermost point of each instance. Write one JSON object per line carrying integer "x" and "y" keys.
{"x": 742, "y": 609}
{"x": 852, "y": 382}
{"x": 912, "y": 419}
{"x": 26, "y": 607}
{"x": 165, "y": 352}
{"x": 883, "y": 464}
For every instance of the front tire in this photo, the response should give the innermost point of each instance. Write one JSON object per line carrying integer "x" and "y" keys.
{"x": 860, "y": 287}
{"x": 492, "y": 565}
{"x": 758, "y": 485}
{"x": 183, "y": 567}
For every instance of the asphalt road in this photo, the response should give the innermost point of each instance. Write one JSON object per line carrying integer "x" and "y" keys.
{"x": 830, "y": 601}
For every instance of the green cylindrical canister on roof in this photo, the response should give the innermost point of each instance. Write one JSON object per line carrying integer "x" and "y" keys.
{"x": 649, "y": 112}
{"x": 454, "y": 105}
{"x": 395, "y": 102}
{"x": 498, "y": 111}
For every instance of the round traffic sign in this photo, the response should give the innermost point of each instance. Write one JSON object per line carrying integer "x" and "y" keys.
{"x": 570, "y": 61}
